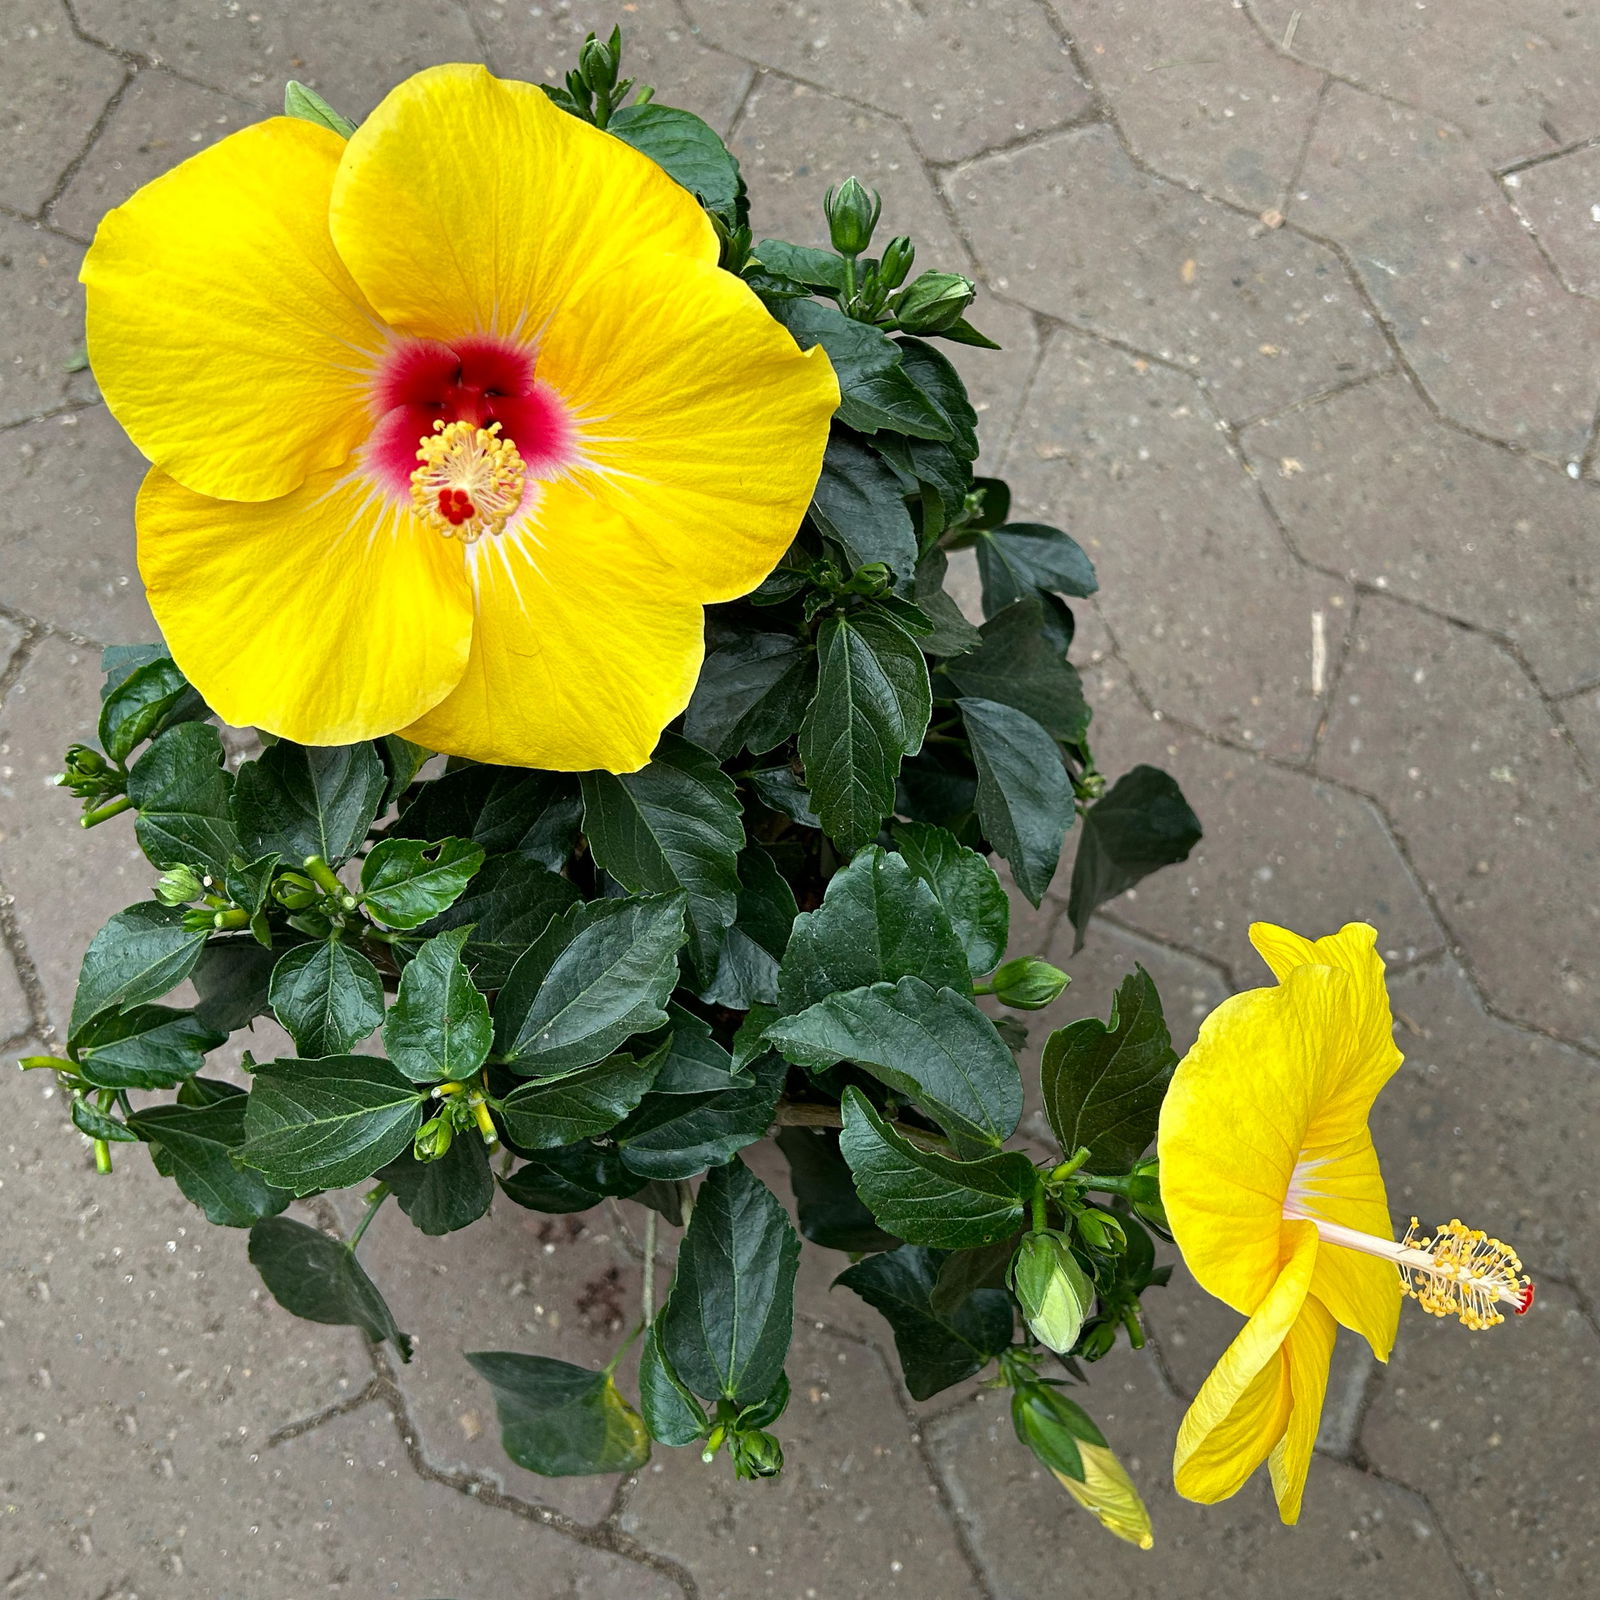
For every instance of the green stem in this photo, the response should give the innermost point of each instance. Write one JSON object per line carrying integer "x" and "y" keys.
{"x": 622, "y": 1349}
{"x": 324, "y": 876}
{"x": 374, "y": 1202}
{"x": 982, "y": 988}
{"x": 1041, "y": 1217}
{"x": 112, "y": 808}
{"x": 849, "y": 281}
{"x": 1068, "y": 1167}
{"x": 102, "y": 1157}
{"x": 1108, "y": 1185}
{"x": 647, "y": 1290}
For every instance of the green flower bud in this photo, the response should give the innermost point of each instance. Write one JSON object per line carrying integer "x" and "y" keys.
{"x": 1100, "y": 1231}
{"x": 1063, "y": 1436}
{"x": 433, "y": 1138}
{"x": 178, "y": 886}
{"x": 1098, "y": 1339}
{"x": 1145, "y": 1193}
{"x": 87, "y": 774}
{"x": 933, "y": 302}
{"x": 1028, "y": 984}
{"x": 756, "y": 1454}
{"x": 1053, "y": 1290}
{"x": 896, "y": 264}
{"x": 598, "y": 62}
{"x": 852, "y": 211}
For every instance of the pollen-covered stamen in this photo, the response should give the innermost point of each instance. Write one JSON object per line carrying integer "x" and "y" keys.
{"x": 469, "y": 481}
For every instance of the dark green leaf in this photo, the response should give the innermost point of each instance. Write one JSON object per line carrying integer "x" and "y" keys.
{"x": 780, "y": 789}
{"x": 817, "y": 269}
{"x": 942, "y": 387}
{"x": 593, "y": 978}
{"x": 693, "y": 1062}
{"x": 544, "y": 1116}
{"x": 297, "y": 801}
{"x": 560, "y": 1420}
{"x": 438, "y": 1027}
{"x": 404, "y": 882}
{"x": 198, "y": 1091}
{"x": 231, "y": 979}
{"x": 93, "y": 1123}
{"x": 684, "y": 147}
{"x": 678, "y": 1135}
{"x": 182, "y": 792}
{"x": 448, "y": 1194}
{"x": 727, "y": 1322}
{"x": 1103, "y": 1085}
{"x": 506, "y": 810}
{"x": 248, "y": 883}
{"x": 571, "y": 1179}
{"x": 327, "y": 996}
{"x": 1017, "y": 666}
{"x": 402, "y": 760}
{"x": 962, "y": 332}
{"x": 194, "y": 1145}
{"x": 671, "y": 1412}
{"x": 137, "y": 956}
{"x": 319, "y": 1278}
{"x": 1020, "y": 558}
{"x": 144, "y": 1047}
{"x": 747, "y": 968}
{"x": 1140, "y": 824}
{"x": 966, "y": 886}
{"x": 936, "y": 1350}
{"x": 859, "y": 504}
{"x": 830, "y": 1210}
{"x": 751, "y": 695}
{"x": 927, "y": 1198}
{"x": 878, "y": 922}
{"x": 932, "y": 1045}
{"x": 510, "y": 902}
{"x": 137, "y": 705}
{"x": 963, "y": 1271}
{"x": 1024, "y": 796}
{"x": 672, "y": 825}
{"x": 329, "y": 1123}
{"x": 872, "y": 707}
{"x": 952, "y": 634}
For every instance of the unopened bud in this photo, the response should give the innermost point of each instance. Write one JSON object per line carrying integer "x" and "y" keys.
{"x": 433, "y": 1139}
{"x": 1063, "y": 1436}
{"x": 1100, "y": 1231}
{"x": 933, "y": 302}
{"x": 178, "y": 886}
{"x": 1053, "y": 1290}
{"x": 1028, "y": 984}
{"x": 898, "y": 255}
{"x": 598, "y": 62}
{"x": 852, "y": 211}
{"x": 756, "y": 1454}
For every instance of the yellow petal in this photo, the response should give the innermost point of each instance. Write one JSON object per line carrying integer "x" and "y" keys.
{"x": 224, "y": 331}
{"x": 1107, "y": 1493}
{"x": 1244, "y": 1405}
{"x": 466, "y": 204}
{"x": 1367, "y": 1057}
{"x": 1233, "y": 1124}
{"x": 701, "y": 421}
{"x": 584, "y": 647}
{"x": 326, "y": 616}
{"x": 1307, "y": 1351}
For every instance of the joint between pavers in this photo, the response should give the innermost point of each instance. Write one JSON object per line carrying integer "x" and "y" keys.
{"x": 1292, "y": 183}
{"x": 1523, "y": 163}
{"x": 1468, "y": 1588}
{"x": 107, "y": 111}
{"x": 1220, "y": 968}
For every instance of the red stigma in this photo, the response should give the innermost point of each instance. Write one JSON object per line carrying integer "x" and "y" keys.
{"x": 1525, "y": 1301}
{"x": 455, "y": 505}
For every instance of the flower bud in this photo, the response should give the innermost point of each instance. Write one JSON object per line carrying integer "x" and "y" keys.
{"x": 933, "y": 302}
{"x": 433, "y": 1138}
{"x": 896, "y": 264}
{"x": 178, "y": 886}
{"x": 1145, "y": 1193}
{"x": 1100, "y": 1231}
{"x": 1053, "y": 1290}
{"x": 852, "y": 211}
{"x": 87, "y": 774}
{"x": 598, "y": 62}
{"x": 756, "y": 1454}
{"x": 1062, "y": 1435}
{"x": 1028, "y": 984}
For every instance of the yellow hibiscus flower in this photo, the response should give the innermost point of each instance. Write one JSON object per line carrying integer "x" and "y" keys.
{"x": 1272, "y": 1188}
{"x": 455, "y": 426}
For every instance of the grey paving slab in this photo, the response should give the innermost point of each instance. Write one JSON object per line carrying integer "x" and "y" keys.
{"x": 53, "y": 87}
{"x": 1369, "y": 485}
{"x": 44, "y": 308}
{"x": 1582, "y": 715}
{"x": 1199, "y": 94}
{"x": 965, "y": 75}
{"x": 1487, "y": 326}
{"x": 1070, "y": 226}
{"x": 1483, "y": 1424}
{"x": 159, "y": 121}
{"x": 1127, "y": 455}
{"x": 1444, "y": 728}
{"x": 1558, "y": 199}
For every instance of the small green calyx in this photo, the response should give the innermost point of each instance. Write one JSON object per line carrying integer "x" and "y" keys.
{"x": 178, "y": 886}
{"x": 1028, "y": 984}
{"x": 1053, "y": 1290}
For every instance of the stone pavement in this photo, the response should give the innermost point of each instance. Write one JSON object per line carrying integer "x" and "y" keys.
{"x": 1301, "y": 307}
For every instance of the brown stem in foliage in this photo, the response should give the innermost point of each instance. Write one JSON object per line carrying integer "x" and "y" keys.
{"x": 808, "y": 1114}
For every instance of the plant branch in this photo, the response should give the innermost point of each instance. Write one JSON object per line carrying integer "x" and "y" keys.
{"x": 807, "y": 1114}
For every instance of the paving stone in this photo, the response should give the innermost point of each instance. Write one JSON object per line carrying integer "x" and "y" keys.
{"x": 44, "y": 327}
{"x": 352, "y": 53}
{"x": 67, "y": 490}
{"x": 15, "y": 1017}
{"x": 1357, "y": 1534}
{"x": 1519, "y": 80}
{"x": 63, "y": 882}
{"x": 1496, "y": 340}
{"x": 160, "y": 121}
{"x": 53, "y": 87}
{"x": 964, "y": 75}
{"x": 1487, "y": 1427}
{"x": 1582, "y": 714}
{"x": 793, "y": 142}
{"x": 1126, "y": 455}
{"x": 1493, "y": 1124}
{"x": 1071, "y": 227}
{"x": 1490, "y": 536}
{"x": 144, "y": 1367}
{"x": 540, "y": 42}
{"x": 1559, "y": 199}
{"x": 845, "y": 1446}
{"x": 1300, "y": 853}
{"x": 1199, "y": 94}
{"x": 1487, "y": 799}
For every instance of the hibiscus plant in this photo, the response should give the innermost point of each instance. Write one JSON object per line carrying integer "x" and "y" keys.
{"x": 627, "y": 781}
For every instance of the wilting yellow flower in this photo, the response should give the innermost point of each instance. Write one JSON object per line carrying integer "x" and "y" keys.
{"x": 1273, "y": 1191}
{"x": 456, "y": 426}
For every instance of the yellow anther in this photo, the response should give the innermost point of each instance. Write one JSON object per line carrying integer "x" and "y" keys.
{"x": 469, "y": 481}
{"x": 1462, "y": 1272}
